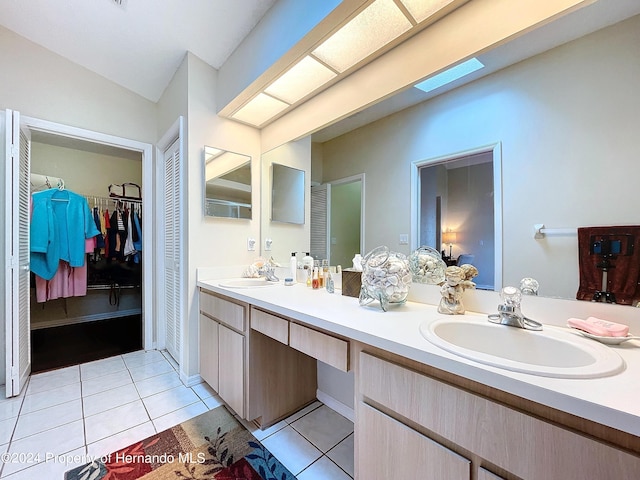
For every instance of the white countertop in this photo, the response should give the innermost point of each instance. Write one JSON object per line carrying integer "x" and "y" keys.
{"x": 613, "y": 401}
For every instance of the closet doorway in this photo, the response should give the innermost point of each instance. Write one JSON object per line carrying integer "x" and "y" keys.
{"x": 42, "y": 136}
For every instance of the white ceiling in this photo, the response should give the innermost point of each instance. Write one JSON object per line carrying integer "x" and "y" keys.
{"x": 139, "y": 44}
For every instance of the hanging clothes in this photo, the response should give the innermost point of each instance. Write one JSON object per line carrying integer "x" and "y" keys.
{"x": 61, "y": 221}
{"x": 67, "y": 282}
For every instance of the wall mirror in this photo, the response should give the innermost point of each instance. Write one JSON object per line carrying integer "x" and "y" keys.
{"x": 583, "y": 148}
{"x": 227, "y": 184}
{"x": 287, "y": 194}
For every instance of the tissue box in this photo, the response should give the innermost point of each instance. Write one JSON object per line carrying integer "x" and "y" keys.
{"x": 351, "y": 281}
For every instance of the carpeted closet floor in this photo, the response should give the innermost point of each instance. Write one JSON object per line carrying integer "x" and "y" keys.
{"x": 59, "y": 347}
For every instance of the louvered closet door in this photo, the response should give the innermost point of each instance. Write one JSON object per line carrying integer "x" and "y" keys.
{"x": 18, "y": 345}
{"x": 172, "y": 246}
{"x": 320, "y": 208}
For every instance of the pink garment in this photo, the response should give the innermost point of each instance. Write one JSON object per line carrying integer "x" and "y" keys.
{"x": 67, "y": 282}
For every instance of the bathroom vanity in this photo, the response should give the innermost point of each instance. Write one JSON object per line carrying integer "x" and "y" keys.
{"x": 419, "y": 408}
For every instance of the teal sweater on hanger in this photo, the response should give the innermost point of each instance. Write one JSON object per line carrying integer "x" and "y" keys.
{"x": 61, "y": 221}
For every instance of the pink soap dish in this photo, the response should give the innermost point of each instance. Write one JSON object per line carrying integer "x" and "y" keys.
{"x": 606, "y": 340}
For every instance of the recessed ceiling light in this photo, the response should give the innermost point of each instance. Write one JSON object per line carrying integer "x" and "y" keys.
{"x": 374, "y": 27}
{"x": 450, "y": 75}
{"x": 260, "y": 109}
{"x": 420, "y": 10}
{"x": 302, "y": 79}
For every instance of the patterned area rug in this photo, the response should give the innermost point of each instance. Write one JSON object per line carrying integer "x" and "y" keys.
{"x": 213, "y": 445}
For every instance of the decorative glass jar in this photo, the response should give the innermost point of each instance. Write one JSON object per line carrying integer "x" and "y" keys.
{"x": 386, "y": 277}
{"x": 427, "y": 266}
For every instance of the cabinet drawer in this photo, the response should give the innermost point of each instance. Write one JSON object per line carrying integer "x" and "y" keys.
{"x": 389, "y": 449}
{"x": 331, "y": 350}
{"x": 224, "y": 311}
{"x": 270, "y": 325}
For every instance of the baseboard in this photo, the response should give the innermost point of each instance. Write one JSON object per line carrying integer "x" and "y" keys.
{"x": 191, "y": 380}
{"x": 336, "y": 405}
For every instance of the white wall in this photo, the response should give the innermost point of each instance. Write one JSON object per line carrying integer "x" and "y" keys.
{"x": 567, "y": 120}
{"x": 85, "y": 172}
{"x": 212, "y": 241}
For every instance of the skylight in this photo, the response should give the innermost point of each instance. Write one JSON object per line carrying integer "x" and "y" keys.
{"x": 454, "y": 73}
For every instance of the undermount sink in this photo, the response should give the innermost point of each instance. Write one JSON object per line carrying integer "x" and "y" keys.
{"x": 551, "y": 352}
{"x": 247, "y": 283}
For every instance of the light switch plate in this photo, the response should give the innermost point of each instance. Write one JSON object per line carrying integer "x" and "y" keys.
{"x": 251, "y": 244}
{"x": 404, "y": 239}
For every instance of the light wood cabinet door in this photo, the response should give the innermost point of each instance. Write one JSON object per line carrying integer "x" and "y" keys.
{"x": 231, "y": 368}
{"x": 389, "y": 449}
{"x": 487, "y": 475}
{"x": 209, "y": 351}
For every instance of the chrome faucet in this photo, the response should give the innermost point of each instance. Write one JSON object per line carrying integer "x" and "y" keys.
{"x": 268, "y": 272}
{"x": 509, "y": 312}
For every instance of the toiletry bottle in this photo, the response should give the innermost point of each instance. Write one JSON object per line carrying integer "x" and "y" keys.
{"x": 307, "y": 264}
{"x": 324, "y": 272}
{"x": 328, "y": 282}
{"x": 314, "y": 280}
{"x": 293, "y": 266}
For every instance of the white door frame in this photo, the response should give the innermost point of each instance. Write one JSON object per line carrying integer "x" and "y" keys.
{"x": 146, "y": 149}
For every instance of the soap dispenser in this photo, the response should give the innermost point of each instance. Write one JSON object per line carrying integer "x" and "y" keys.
{"x": 293, "y": 266}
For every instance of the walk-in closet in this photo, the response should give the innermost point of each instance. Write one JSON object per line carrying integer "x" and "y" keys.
{"x": 83, "y": 313}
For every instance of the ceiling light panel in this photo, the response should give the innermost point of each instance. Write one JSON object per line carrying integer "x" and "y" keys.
{"x": 420, "y": 10}
{"x": 302, "y": 79}
{"x": 259, "y": 110}
{"x": 374, "y": 27}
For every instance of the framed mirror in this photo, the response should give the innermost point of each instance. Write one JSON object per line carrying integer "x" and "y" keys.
{"x": 227, "y": 184}
{"x": 287, "y": 194}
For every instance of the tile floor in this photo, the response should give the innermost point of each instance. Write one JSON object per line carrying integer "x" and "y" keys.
{"x": 66, "y": 417}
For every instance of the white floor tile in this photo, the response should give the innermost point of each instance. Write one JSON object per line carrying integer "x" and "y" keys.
{"x": 323, "y": 427}
{"x": 56, "y": 441}
{"x": 120, "y": 440}
{"x": 303, "y": 412}
{"x": 48, "y": 418}
{"x": 323, "y": 469}
{"x": 150, "y": 370}
{"x": 109, "y": 399}
{"x": 115, "y": 421}
{"x": 203, "y": 390}
{"x": 144, "y": 358}
{"x": 158, "y": 384}
{"x": 100, "y": 368}
{"x": 169, "y": 400}
{"x": 292, "y": 449}
{"x": 41, "y": 382}
{"x": 178, "y": 416}
{"x": 6, "y": 429}
{"x": 54, "y": 467}
{"x": 56, "y": 396}
{"x": 342, "y": 455}
{"x": 213, "y": 402}
{"x": 10, "y": 407}
{"x": 108, "y": 382}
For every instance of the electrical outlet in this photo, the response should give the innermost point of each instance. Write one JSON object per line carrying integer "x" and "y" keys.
{"x": 251, "y": 244}
{"x": 267, "y": 244}
{"x": 404, "y": 239}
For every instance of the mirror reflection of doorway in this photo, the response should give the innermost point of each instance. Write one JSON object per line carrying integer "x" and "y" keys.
{"x": 337, "y": 215}
{"x": 457, "y": 212}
